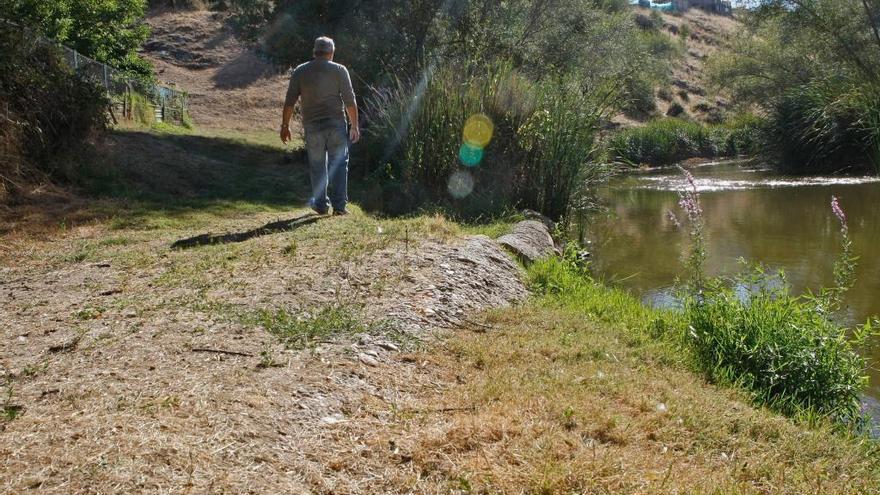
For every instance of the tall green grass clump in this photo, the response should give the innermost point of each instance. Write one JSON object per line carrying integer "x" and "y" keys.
{"x": 822, "y": 127}
{"x": 785, "y": 349}
{"x": 542, "y": 139}
{"x": 670, "y": 140}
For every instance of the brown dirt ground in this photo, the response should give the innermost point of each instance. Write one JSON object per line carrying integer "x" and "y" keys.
{"x": 98, "y": 355}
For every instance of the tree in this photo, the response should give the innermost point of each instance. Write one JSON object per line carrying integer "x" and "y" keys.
{"x": 110, "y": 31}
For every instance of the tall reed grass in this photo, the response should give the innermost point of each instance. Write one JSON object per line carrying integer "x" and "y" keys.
{"x": 825, "y": 127}
{"x": 538, "y": 157}
{"x": 670, "y": 140}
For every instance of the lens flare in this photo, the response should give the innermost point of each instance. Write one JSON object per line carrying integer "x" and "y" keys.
{"x": 470, "y": 155}
{"x": 461, "y": 184}
{"x": 478, "y": 130}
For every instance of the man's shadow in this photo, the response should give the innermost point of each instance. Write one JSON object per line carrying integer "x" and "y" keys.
{"x": 269, "y": 228}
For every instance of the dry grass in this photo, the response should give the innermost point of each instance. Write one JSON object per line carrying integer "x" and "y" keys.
{"x": 548, "y": 402}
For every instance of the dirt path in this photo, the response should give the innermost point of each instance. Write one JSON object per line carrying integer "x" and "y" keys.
{"x": 111, "y": 357}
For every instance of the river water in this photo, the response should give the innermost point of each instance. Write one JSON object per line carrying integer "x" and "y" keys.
{"x": 782, "y": 222}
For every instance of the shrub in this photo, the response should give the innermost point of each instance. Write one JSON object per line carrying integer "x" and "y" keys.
{"x": 821, "y": 128}
{"x": 48, "y": 112}
{"x": 785, "y": 349}
{"x": 670, "y": 140}
{"x": 780, "y": 346}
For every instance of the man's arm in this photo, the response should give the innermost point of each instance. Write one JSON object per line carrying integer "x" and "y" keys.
{"x": 289, "y": 103}
{"x": 286, "y": 115}
{"x": 354, "y": 135}
{"x": 347, "y": 92}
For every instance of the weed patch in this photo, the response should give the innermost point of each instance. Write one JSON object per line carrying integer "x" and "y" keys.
{"x": 299, "y": 331}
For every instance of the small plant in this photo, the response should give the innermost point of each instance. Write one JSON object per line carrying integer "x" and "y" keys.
{"x": 786, "y": 349}
{"x": 567, "y": 418}
{"x": 290, "y": 249}
{"x": 10, "y": 411}
{"x": 298, "y": 331}
{"x": 88, "y": 313}
{"x": 267, "y": 359}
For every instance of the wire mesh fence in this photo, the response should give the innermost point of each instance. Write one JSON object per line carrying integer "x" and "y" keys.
{"x": 132, "y": 98}
{"x": 168, "y": 104}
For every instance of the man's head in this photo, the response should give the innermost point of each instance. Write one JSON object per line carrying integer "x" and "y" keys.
{"x": 324, "y": 48}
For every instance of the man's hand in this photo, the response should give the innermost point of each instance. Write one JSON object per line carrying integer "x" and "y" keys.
{"x": 285, "y": 134}
{"x": 354, "y": 135}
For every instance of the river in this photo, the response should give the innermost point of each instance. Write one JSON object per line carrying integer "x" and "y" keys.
{"x": 750, "y": 213}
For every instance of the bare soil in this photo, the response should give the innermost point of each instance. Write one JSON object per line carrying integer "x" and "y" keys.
{"x": 138, "y": 373}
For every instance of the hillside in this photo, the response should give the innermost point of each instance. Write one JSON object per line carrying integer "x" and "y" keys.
{"x": 702, "y": 34}
{"x": 230, "y": 87}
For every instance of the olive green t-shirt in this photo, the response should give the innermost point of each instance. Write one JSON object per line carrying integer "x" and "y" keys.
{"x": 324, "y": 89}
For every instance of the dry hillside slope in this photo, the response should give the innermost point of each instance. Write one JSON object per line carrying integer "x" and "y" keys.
{"x": 230, "y": 86}
{"x": 702, "y": 34}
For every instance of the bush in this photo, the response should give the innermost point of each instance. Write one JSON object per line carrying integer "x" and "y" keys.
{"x": 670, "y": 140}
{"x": 785, "y": 349}
{"x": 781, "y": 347}
{"x": 541, "y": 143}
{"x": 109, "y": 31}
{"x": 49, "y": 113}
{"x": 822, "y": 128}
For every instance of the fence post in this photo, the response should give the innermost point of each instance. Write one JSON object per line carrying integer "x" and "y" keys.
{"x": 75, "y": 60}
{"x": 106, "y": 84}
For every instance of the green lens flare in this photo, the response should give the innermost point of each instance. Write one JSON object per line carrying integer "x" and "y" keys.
{"x": 470, "y": 155}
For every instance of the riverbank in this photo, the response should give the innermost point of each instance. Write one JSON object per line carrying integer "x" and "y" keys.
{"x": 577, "y": 391}
{"x": 277, "y": 352}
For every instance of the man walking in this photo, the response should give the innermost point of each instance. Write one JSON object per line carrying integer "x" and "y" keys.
{"x": 324, "y": 88}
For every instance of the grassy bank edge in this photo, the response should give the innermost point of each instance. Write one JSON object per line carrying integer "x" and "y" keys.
{"x": 585, "y": 389}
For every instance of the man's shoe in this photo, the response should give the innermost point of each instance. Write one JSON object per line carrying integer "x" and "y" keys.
{"x": 339, "y": 213}
{"x": 319, "y": 211}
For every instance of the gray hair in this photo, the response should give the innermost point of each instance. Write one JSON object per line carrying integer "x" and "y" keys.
{"x": 324, "y": 46}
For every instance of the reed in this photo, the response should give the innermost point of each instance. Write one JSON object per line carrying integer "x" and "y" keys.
{"x": 538, "y": 157}
{"x": 670, "y": 140}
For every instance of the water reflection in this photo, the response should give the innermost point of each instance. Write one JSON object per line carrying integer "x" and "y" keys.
{"x": 785, "y": 223}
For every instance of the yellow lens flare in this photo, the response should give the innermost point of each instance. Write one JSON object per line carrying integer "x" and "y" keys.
{"x": 478, "y": 130}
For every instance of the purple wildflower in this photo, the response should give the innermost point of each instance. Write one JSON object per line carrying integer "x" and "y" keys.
{"x": 838, "y": 212}
{"x": 690, "y": 199}
{"x": 673, "y": 219}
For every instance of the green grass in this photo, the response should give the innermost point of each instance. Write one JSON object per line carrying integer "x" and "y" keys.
{"x": 777, "y": 348}
{"x": 668, "y": 141}
{"x": 583, "y": 389}
{"x": 782, "y": 348}
{"x": 322, "y": 325}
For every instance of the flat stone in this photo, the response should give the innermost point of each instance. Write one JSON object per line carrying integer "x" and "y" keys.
{"x": 530, "y": 241}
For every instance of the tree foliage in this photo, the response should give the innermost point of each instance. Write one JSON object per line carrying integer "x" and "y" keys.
{"x": 46, "y": 111}
{"x": 813, "y": 66}
{"x": 110, "y": 31}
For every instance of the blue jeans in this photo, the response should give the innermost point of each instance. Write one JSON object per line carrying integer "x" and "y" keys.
{"x": 327, "y": 145}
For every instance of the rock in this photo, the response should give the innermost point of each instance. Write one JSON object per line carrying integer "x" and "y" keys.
{"x": 388, "y": 346}
{"x": 333, "y": 419}
{"x": 530, "y": 240}
{"x": 368, "y": 360}
{"x": 534, "y": 215}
